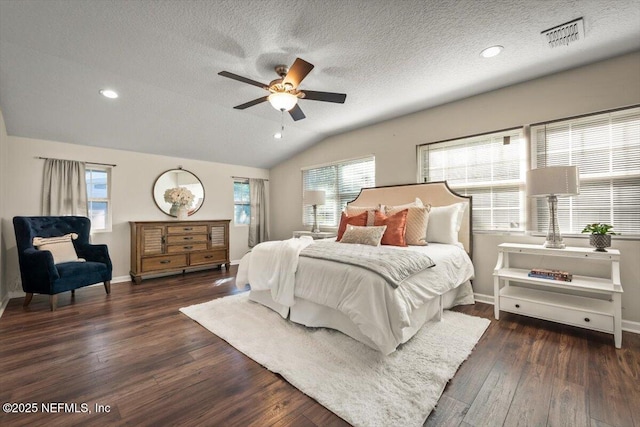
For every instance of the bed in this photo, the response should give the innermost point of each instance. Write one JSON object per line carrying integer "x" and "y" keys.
{"x": 359, "y": 302}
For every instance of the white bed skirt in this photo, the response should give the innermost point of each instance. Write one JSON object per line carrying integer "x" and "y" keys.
{"x": 310, "y": 314}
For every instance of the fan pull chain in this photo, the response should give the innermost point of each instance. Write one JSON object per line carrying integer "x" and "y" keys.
{"x": 280, "y": 135}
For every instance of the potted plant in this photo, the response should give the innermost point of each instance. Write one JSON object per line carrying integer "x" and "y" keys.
{"x": 600, "y": 235}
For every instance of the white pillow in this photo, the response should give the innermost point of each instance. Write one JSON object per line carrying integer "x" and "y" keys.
{"x": 445, "y": 222}
{"x": 60, "y": 247}
{"x": 363, "y": 235}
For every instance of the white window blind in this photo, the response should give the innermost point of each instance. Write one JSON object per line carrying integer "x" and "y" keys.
{"x": 341, "y": 183}
{"x": 488, "y": 167}
{"x": 606, "y": 148}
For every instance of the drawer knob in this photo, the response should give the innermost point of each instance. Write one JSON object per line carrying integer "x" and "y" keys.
{"x": 517, "y": 305}
{"x": 209, "y": 256}
{"x": 188, "y": 247}
{"x": 188, "y": 228}
{"x": 586, "y": 319}
{"x": 188, "y": 238}
{"x": 165, "y": 262}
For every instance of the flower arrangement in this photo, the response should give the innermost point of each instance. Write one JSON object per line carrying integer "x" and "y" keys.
{"x": 179, "y": 196}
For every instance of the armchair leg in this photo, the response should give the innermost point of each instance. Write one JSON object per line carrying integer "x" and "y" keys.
{"x": 53, "y": 302}
{"x": 27, "y": 299}
{"x": 107, "y": 286}
{"x": 73, "y": 293}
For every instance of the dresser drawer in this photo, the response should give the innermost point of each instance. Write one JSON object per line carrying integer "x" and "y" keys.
{"x": 584, "y": 319}
{"x": 186, "y": 238}
{"x": 182, "y": 229}
{"x": 186, "y": 247}
{"x": 163, "y": 262}
{"x": 208, "y": 257}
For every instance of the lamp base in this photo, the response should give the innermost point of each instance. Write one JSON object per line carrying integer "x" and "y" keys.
{"x": 554, "y": 244}
{"x": 554, "y": 238}
{"x": 315, "y": 228}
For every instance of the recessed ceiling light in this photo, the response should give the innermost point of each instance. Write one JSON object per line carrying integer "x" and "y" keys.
{"x": 277, "y": 135}
{"x": 109, "y": 93}
{"x": 491, "y": 51}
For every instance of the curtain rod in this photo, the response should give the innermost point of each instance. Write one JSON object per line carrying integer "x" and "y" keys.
{"x": 244, "y": 177}
{"x": 91, "y": 163}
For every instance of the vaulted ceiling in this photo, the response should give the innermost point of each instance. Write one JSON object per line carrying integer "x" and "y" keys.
{"x": 163, "y": 57}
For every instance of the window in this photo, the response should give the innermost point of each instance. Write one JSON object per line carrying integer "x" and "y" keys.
{"x": 341, "y": 182}
{"x": 99, "y": 197}
{"x": 489, "y": 167}
{"x": 241, "y": 202}
{"x": 606, "y": 148}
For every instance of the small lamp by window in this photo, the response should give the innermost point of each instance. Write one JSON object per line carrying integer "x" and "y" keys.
{"x": 553, "y": 182}
{"x": 314, "y": 198}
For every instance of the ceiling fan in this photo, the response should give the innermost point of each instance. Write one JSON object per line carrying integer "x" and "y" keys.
{"x": 284, "y": 90}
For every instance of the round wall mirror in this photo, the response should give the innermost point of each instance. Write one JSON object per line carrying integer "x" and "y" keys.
{"x": 178, "y": 187}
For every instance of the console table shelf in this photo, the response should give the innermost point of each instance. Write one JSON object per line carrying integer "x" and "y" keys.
{"x": 588, "y": 302}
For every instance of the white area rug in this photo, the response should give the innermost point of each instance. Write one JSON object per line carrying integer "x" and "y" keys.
{"x": 352, "y": 380}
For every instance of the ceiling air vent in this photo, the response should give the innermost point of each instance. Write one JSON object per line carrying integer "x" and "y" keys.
{"x": 564, "y": 34}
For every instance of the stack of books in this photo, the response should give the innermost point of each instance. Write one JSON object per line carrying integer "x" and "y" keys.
{"x": 551, "y": 274}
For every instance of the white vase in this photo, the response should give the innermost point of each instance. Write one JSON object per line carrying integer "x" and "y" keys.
{"x": 183, "y": 213}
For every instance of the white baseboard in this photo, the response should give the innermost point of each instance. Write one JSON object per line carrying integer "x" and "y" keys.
{"x": 627, "y": 325}
{"x": 487, "y": 299}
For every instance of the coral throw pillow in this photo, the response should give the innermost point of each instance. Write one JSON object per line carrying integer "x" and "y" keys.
{"x": 396, "y": 226}
{"x": 359, "y": 220}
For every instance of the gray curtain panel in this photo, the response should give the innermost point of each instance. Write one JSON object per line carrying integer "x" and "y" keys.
{"x": 64, "y": 188}
{"x": 258, "y": 227}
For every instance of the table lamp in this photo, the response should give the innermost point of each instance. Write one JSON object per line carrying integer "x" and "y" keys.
{"x": 314, "y": 198}
{"x": 553, "y": 182}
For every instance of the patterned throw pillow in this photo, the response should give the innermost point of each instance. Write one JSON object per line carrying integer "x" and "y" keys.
{"x": 363, "y": 235}
{"x": 396, "y": 225}
{"x": 360, "y": 220}
{"x": 60, "y": 247}
{"x": 417, "y": 222}
{"x": 370, "y": 210}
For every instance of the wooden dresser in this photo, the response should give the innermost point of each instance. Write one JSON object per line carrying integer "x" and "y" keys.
{"x": 167, "y": 246}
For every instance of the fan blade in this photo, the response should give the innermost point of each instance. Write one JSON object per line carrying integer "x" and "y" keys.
{"x": 242, "y": 79}
{"x": 250, "y": 103}
{"x": 297, "y": 72}
{"x": 325, "y": 96}
{"x": 296, "y": 113}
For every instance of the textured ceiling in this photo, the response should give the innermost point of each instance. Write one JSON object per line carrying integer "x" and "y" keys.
{"x": 390, "y": 58}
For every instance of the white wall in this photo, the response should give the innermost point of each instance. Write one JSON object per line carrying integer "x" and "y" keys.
{"x": 131, "y": 195}
{"x": 4, "y": 291}
{"x": 600, "y": 86}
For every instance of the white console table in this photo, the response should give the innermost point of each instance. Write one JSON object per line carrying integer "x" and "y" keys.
{"x": 542, "y": 299}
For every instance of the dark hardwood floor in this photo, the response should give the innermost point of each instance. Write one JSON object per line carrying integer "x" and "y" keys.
{"x": 151, "y": 365}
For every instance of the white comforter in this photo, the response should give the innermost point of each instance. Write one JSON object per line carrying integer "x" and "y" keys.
{"x": 379, "y": 311}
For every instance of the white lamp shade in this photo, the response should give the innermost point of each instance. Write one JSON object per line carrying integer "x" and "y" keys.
{"x": 553, "y": 181}
{"x": 313, "y": 197}
{"x": 282, "y": 100}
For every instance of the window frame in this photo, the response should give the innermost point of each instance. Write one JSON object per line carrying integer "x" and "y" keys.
{"x": 339, "y": 198}
{"x": 241, "y": 203}
{"x": 467, "y": 189}
{"x": 537, "y": 205}
{"x": 109, "y": 218}
{"x": 529, "y": 207}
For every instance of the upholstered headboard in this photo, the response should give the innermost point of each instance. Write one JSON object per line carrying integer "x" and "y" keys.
{"x": 433, "y": 193}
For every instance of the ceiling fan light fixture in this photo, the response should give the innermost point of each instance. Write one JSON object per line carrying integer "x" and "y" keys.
{"x": 282, "y": 101}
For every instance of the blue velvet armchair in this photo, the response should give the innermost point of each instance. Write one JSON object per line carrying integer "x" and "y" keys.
{"x": 39, "y": 273}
